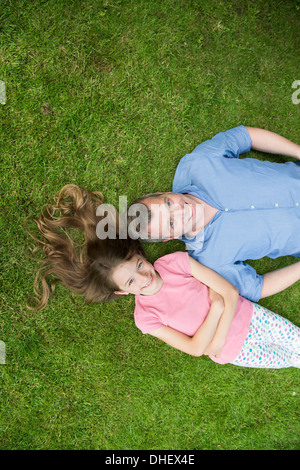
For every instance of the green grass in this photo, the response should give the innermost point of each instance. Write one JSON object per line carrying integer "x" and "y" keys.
{"x": 110, "y": 95}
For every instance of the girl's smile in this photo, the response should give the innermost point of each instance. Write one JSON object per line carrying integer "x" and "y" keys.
{"x": 137, "y": 276}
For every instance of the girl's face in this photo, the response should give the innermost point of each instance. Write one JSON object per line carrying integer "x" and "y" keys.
{"x": 137, "y": 276}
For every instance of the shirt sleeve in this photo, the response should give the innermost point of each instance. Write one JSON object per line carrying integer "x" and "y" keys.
{"x": 146, "y": 320}
{"x": 230, "y": 144}
{"x": 177, "y": 262}
{"x": 245, "y": 278}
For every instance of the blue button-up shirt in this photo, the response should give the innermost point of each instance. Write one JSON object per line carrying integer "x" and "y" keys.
{"x": 258, "y": 206}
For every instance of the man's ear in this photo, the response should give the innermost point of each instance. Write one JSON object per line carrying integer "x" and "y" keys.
{"x": 121, "y": 292}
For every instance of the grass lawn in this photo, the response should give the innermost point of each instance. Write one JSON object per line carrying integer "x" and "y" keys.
{"x": 109, "y": 95}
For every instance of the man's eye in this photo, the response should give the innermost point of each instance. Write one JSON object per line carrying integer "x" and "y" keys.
{"x": 130, "y": 282}
{"x": 171, "y": 223}
{"x": 169, "y": 203}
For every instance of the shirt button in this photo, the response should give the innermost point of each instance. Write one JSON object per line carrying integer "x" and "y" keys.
{"x": 297, "y": 203}
{"x": 276, "y": 205}
{"x": 226, "y": 209}
{"x": 252, "y": 207}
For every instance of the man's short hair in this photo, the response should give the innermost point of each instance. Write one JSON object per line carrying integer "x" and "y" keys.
{"x": 145, "y": 219}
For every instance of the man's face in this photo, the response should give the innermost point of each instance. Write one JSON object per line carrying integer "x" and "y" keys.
{"x": 174, "y": 215}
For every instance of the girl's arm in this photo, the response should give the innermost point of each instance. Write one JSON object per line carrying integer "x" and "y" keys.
{"x": 277, "y": 281}
{"x": 197, "y": 344}
{"x": 230, "y": 296}
{"x": 211, "y": 336}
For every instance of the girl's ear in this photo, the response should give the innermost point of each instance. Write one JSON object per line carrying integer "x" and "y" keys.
{"x": 121, "y": 292}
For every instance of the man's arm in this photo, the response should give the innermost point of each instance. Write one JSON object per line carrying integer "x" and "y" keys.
{"x": 269, "y": 142}
{"x": 280, "y": 279}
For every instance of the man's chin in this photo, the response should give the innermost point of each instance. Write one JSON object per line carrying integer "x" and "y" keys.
{"x": 191, "y": 233}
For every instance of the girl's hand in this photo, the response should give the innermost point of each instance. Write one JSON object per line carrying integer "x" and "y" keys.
{"x": 214, "y": 348}
{"x": 224, "y": 298}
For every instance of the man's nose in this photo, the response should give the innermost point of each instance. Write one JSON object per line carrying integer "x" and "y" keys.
{"x": 175, "y": 208}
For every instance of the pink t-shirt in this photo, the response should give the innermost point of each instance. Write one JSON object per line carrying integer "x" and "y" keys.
{"x": 183, "y": 303}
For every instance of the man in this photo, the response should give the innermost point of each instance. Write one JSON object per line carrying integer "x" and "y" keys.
{"x": 250, "y": 208}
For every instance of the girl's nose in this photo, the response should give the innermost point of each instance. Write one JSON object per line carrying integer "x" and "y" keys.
{"x": 142, "y": 275}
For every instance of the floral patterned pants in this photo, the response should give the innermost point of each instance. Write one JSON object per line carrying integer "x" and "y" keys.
{"x": 272, "y": 343}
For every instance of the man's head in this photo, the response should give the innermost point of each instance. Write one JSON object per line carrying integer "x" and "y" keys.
{"x": 165, "y": 216}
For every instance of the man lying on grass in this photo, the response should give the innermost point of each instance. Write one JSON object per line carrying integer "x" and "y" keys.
{"x": 229, "y": 209}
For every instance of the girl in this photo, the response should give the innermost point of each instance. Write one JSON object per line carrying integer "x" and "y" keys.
{"x": 179, "y": 301}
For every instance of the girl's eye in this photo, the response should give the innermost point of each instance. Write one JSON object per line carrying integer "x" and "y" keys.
{"x": 169, "y": 203}
{"x": 171, "y": 223}
{"x": 140, "y": 264}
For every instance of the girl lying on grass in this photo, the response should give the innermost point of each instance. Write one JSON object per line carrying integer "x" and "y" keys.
{"x": 178, "y": 300}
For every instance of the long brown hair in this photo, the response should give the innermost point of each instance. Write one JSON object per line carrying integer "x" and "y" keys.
{"x": 71, "y": 251}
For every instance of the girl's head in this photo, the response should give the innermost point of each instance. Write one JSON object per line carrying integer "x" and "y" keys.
{"x": 136, "y": 276}
{"x": 72, "y": 252}
{"x": 114, "y": 268}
